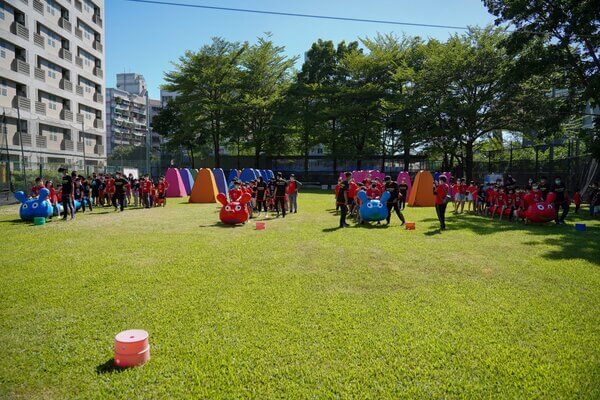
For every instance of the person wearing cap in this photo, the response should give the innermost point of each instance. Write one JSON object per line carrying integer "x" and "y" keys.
{"x": 392, "y": 204}
{"x": 292, "y": 190}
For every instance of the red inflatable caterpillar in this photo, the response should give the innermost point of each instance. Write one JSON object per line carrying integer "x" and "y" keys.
{"x": 234, "y": 212}
{"x": 538, "y": 212}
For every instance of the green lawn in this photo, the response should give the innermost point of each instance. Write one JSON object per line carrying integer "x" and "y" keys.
{"x": 301, "y": 310}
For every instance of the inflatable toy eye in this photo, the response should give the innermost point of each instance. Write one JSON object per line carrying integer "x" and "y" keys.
{"x": 25, "y": 206}
{"x": 370, "y": 205}
{"x": 550, "y": 206}
{"x": 238, "y": 208}
{"x": 540, "y": 207}
{"x": 380, "y": 205}
{"x": 34, "y": 205}
{"x": 227, "y": 208}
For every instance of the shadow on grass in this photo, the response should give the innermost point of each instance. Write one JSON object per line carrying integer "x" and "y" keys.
{"x": 108, "y": 367}
{"x": 571, "y": 244}
{"x": 15, "y": 221}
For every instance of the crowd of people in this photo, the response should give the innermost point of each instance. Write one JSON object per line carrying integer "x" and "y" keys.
{"x": 277, "y": 195}
{"x": 505, "y": 199}
{"x": 101, "y": 190}
{"x": 347, "y": 200}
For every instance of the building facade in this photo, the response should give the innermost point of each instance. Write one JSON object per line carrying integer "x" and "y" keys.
{"x": 128, "y": 109}
{"x": 52, "y": 82}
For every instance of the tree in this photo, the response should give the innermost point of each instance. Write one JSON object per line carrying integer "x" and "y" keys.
{"x": 207, "y": 83}
{"x": 263, "y": 81}
{"x": 179, "y": 128}
{"x": 557, "y": 34}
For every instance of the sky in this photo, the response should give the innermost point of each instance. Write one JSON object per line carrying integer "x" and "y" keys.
{"x": 146, "y": 38}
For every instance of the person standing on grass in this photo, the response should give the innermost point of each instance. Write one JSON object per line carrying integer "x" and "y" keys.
{"x": 68, "y": 191}
{"x": 440, "y": 190}
{"x": 403, "y": 190}
{"x": 342, "y": 199}
{"x": 392, "y": 188}
{"x": 118, "y": 197}
{"x": 280, "y": 189}
{"x": 261, "y": 196}
{"x": 560, "y": 201}
{"x": 292, "y": 190}
{"x": 543, "y": 187}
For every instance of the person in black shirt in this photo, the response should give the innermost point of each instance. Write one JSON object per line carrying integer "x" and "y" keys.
{"x": 68, "y": 190}
{"x": 119, "y": 195}
{"x": 510, "y": 183}
{"x": 85, "y": 193}
{"x": 271, "y": 187}
{"x": 94, "y": 184}
{"x": 280, "y": 187}
{"x": 543, "y": 187}
{"x": 560, "y": 201}
{"x": 342, "y": 199}
{"x": 403, "y": 189}
{"x": 261, "y": 195}
{"x": 392, "y": 188}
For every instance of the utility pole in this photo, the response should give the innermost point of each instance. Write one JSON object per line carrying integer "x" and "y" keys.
{"x": 21, "y": 143}
{"x": 148, "y": 134}
{"x": 5, "y": 133}
{"x": 83, "y": 147}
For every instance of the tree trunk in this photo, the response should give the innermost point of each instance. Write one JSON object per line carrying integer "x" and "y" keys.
{"x": 257, "y": 149}
{"x": 306, "y": 151}
{"x": 192, "y": 157}
{"x": 406, "y": 155}
{"x": 334, "y": 149}
{"x": 469, "y": 160}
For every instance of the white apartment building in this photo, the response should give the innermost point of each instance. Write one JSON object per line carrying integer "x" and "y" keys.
{"x": 52, "y": 81}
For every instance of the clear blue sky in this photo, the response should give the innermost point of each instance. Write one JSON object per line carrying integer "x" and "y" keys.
{"x": 145, "y": 38}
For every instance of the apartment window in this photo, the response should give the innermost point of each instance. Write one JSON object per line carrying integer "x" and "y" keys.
{"x": 88, "y": 89}
{"x": 3, "y": 88}
{"x": 51, "y": 74}
{"x": 51, "y": 42}
{"x": 2, "y": 49}
{"x": 53, "y": 136}
{"x": 88, "y": 116}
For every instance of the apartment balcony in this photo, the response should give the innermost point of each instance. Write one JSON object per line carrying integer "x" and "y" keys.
{"x": 98, "y": 72}
{"x": 38, "y": 6}
{"x": 79, "y": 118}
{"x": 66, "y": 85}
{"x": 66, "y": 115}
{"x": 97, "y": 19}
{"x": 79, "y": 33}
{"x": 26, "y": 138}
{"x": 39, "y": 74}
{"x": 40, "y": 108}
{"x": 22, "y": 103}
{"x": 21, "y": 67}
{"x": 80, "y": 147}
{"x": 39, "y": 40}
{"x": 79, "y": 90}
{"x": 67, "y": 145}
{"x": 65, "y": 24}
{"x": 98, "y": 123}
{"x": 99, "y": 149}
{"x": 98, "y": 46}
{"x": 41, "y": 142}
{"x": 98, "y": 97}
{"x": 65, "y": 54}
{"x": 79, "y": 61}
{"x": 20, "y": 30}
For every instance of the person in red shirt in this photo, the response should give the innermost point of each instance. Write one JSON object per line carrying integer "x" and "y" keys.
{"x": 373, "y": 192}
{"x": 337, "y": 192}
{"x": 162, "y": 191}
{"x": 472, "y": 197}
{"x": 149, "y": 189}
{"x": 236, "y": 192}
{"x": 440, "y": 190}
{"x": 35, "y": 189}
{"x": 577, "y": 200}
{"x": 352, "y": 190}
{"x": 110, "y": 189}
{"x": 292, "y": 192}
{"x": 500, "y": 203}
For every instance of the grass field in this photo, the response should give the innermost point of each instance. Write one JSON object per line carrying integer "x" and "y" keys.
{"x": 300, "y": 310}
